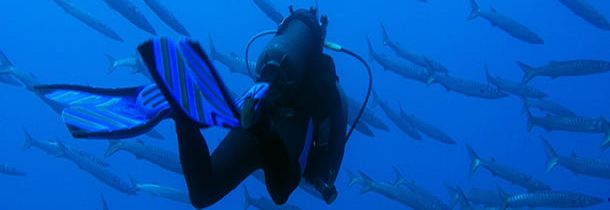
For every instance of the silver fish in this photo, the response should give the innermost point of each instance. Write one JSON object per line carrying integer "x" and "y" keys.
{"x": 557, "y": 69}
{"x": 505, "y": 172}
{"x": 515, "y": 88}
{"x": 167, "y": 17}
{"x": 587, "y": 12}
{"x": 579, "y": 165}
{"x": 507, "y": 24}
{"x": 69, "y": 7}
{"x": 158, "y": 156}
{"x": 129, "y": 11}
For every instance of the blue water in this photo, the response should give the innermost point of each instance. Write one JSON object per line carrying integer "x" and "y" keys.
{"x": 40, "y": 38}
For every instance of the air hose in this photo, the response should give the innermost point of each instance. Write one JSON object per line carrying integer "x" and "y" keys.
{"x": 252, "y": 40}
{"x": 338, "y": 48}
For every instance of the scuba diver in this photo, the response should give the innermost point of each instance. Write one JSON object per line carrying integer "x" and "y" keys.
{"x": 292, "y": 123}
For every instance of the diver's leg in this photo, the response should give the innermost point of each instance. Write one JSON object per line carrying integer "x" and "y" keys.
{"x": 210, "y": 178}
{"x": 281, "y": 142}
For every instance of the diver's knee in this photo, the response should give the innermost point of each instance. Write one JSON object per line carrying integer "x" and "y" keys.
{"x": 280, "y": 198}
{"x": 200, "y": 201}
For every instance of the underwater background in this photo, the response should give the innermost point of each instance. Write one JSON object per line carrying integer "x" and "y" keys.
{"x": 40, "y": 38}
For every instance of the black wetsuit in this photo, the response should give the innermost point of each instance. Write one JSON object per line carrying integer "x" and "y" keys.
{"x": 303, "y": 88}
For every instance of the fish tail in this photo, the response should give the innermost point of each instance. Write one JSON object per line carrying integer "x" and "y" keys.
{"x": 353, "y": 178}
{"x": 455, "y": 197}
{"x": 375, "y": 100}
{"x": 384, "y": 33}
{"x": 461, "y": 196}
{"x": 111, "y": 64}
{"x": 528, "y": 72}
{"x": 28, "y": 141}
{"x": 4, "y": 63}
{"x": 475, "y": 10}
{"x": 113, "y": 147}
{"x": 104, "y": 203}
{"x": 551, "y": 154}
{"x": 134, "y": 183}
{"x": 400, "y": 179}
{"x": 430, "y": 71}
{"x": 62, "y": 149}
{"x": 7, "y": 72}
{"x": 488, "y": 75}
{"x": 247, "y": 198}
{"x": 504, "y": 197}
{"x": 367, "y": 182}
{"x": 213, "y": 53}
{"x": 475, "y": 161}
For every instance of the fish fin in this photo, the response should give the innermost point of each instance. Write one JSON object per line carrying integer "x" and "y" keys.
{"x": 475, "y": 161}
{"x": 190, "y": 82}
{"x": 62, "y": 149}
{"x": 475, "y": 10}
{"x": 551, "y": 154}
{"x": 213, "y": 53}
{"x": 375, "y": 100}
{"x": 504, "y": 195}
{"x": 367, "y": 181}
{"x": 155, "y": 134}
{"x": 111, "y": 63}
{"x": 113, "y": 147}
{"x": 488, "y": 75}
{"x": 430, "y": 71}
{"x": 371, "y": 49}
{"x": 107, "y": 113}
{"x": 353, "y": 179}
{"x": 385, "y": 35}
{"x": 461, "y": 196}
{"x": 247, "y": 198}
{"x": 7, "y": 72}
{"x": 4, "y": 61}
{"x": 134, "y": 182}
{"x": 431, "y": 79}
{"x": 400, "y": 179}
{"x": 104, "y": 203}
{"x": 28, "y": 140}
{"x": 528, "y": 72}
{"x": 364, "y": 129}
{"x": 453, "y": 194}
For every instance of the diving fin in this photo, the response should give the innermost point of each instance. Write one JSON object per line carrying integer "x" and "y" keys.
{"x": 190, "y": 82}
{"x": 107, "y": 113}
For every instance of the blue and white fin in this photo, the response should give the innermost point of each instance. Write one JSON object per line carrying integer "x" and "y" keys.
{"x": 190, "y": 82}
{"x": 108, "y": 113}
